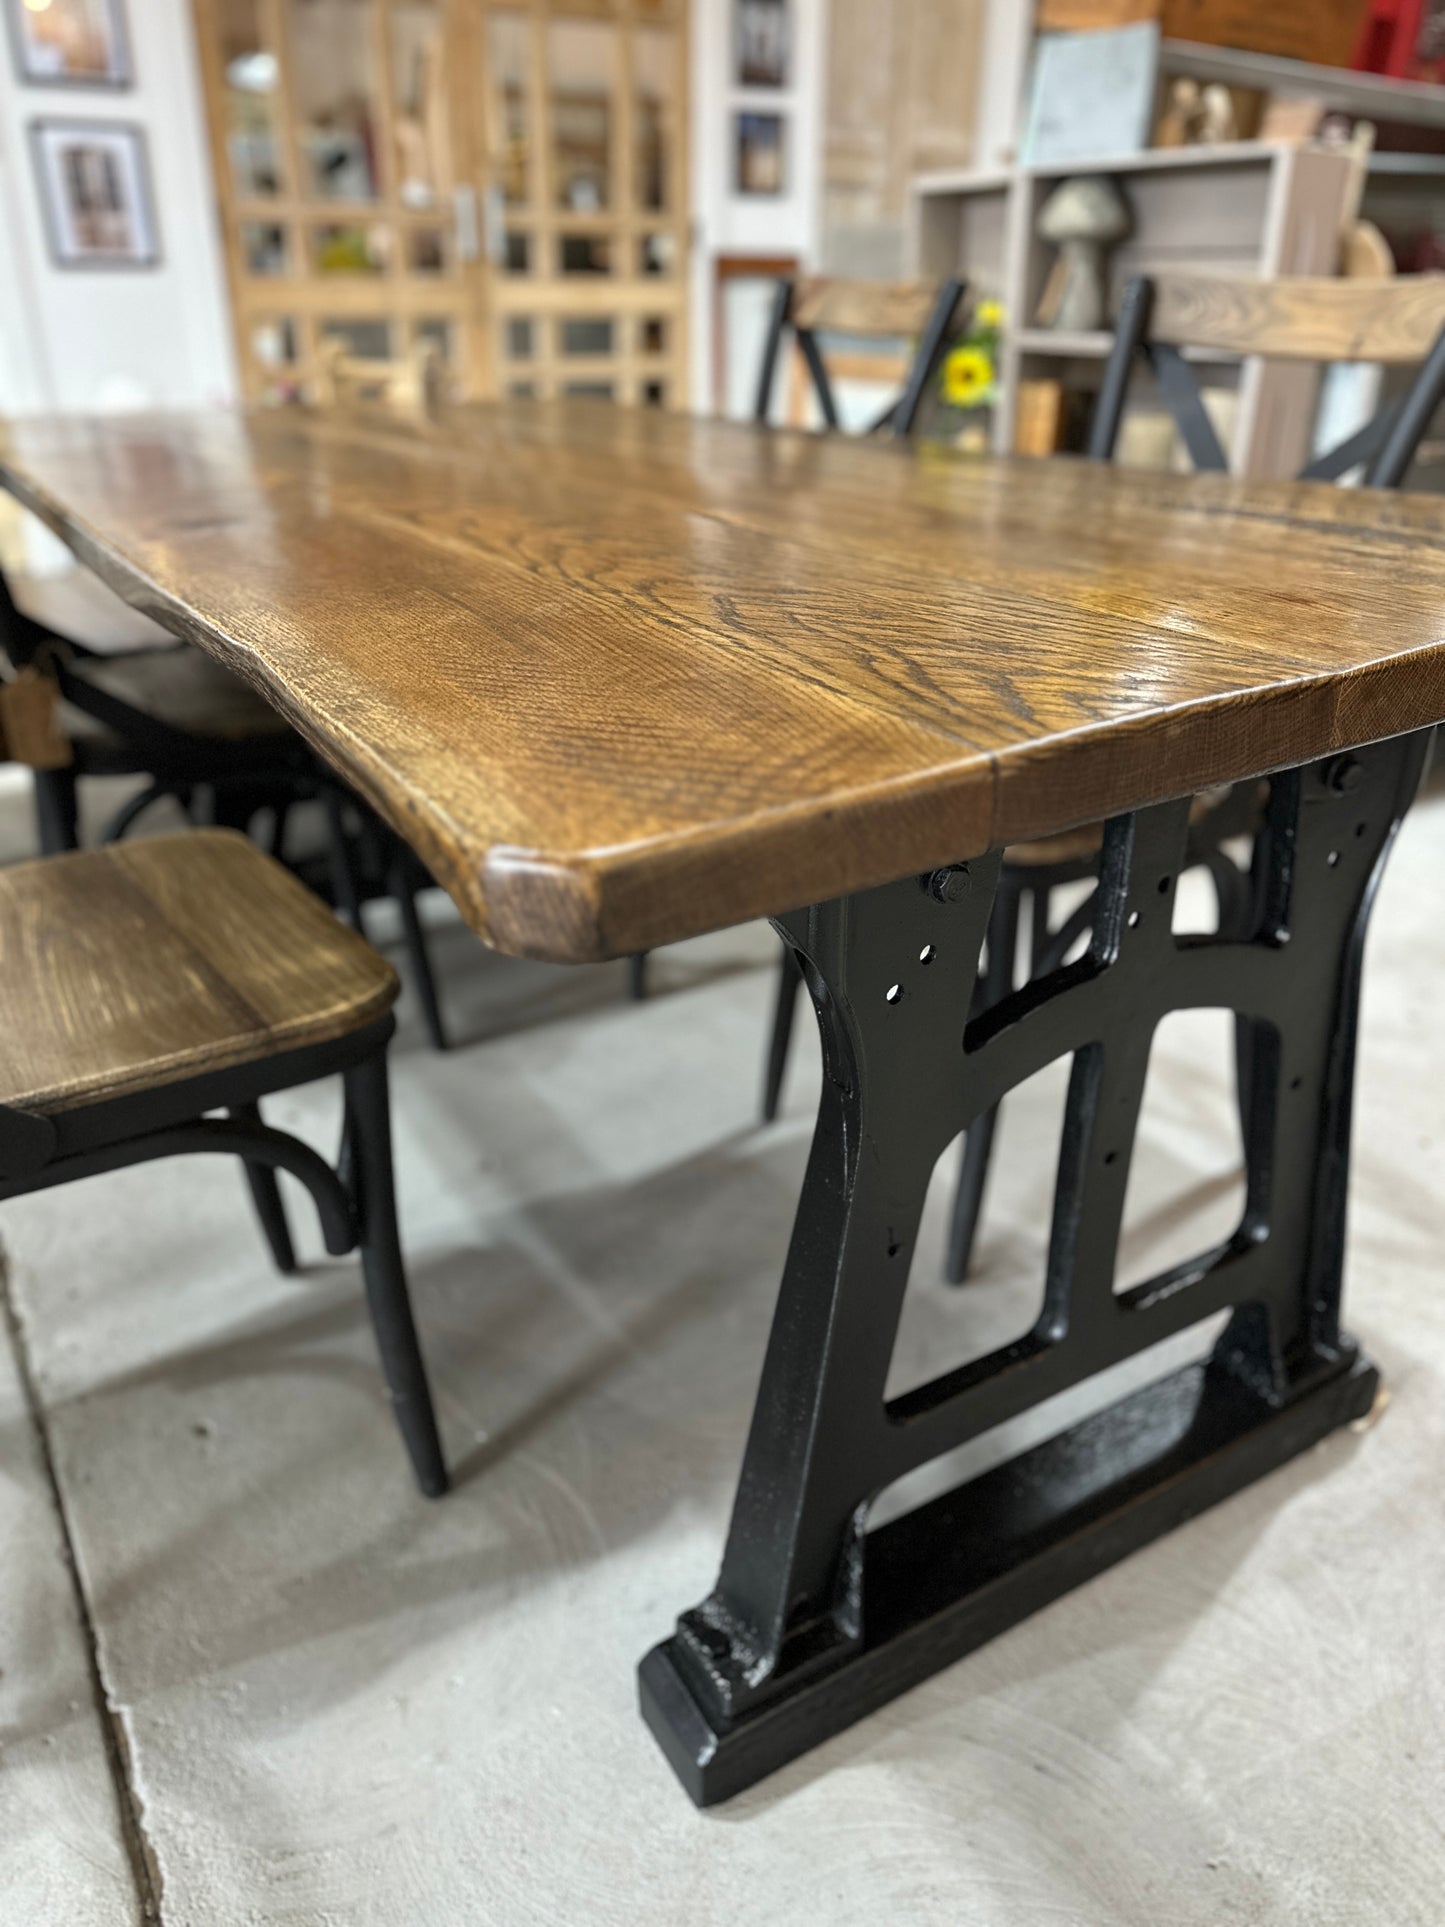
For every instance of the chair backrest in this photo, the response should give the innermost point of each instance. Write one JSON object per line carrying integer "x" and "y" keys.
{"x": 1401, "y": 322}
{"x": 878, "y": 310}
{"x": 411, "y": 384}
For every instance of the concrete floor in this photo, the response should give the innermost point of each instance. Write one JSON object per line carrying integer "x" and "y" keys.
{"x": 279, "y": 1688}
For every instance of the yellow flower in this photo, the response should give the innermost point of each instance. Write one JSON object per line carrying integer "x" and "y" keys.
{"x": 967, "y": 377}
{"x": 989, "y": 314}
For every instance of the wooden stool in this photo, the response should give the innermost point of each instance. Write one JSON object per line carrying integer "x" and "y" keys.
{"x": 153, "y": 983}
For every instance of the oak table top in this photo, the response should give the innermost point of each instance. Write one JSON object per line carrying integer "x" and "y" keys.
{"x": 622, "y": 676}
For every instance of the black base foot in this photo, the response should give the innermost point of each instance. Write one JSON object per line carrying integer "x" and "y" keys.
{"x": 946, "y": 1578}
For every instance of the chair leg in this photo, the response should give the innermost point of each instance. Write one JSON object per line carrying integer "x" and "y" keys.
{"x": 418, "y": 956}
{"x": 998, "y": 981}
{"x": 345, "y": 893}
{"x": 369, "y": 1131}
{"x": 785, "y": 1003}
{"x": 637, "y": 976}
{"x": 266, "y": 1197}
{"x": 57, "y": 810}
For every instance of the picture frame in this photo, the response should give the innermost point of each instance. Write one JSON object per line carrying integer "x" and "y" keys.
{"x": 70, "y": 43}
{"x": 95, "y": 193}
{"x": 762, "y": 33}
{"x": 761, "y": 154}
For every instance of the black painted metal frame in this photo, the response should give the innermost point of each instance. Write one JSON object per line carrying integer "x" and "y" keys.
{"x": 815, "y": 1620}
{"x": 355, "y": 1200}
{"x": 1385, "y": 446}
{"x": 901, "y": 414}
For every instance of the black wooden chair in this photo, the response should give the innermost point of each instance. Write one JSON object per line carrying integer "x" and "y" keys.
{"x": 815, "y": 306}
{"x": 156, "y": 991}
{"x": 1396, "y": 322}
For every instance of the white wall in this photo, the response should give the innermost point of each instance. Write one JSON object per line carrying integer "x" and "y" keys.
{"x": 117, "y": 338}
{"x": 726, "y": 222}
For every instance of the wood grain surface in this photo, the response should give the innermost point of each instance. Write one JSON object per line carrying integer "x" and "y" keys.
{"x": 622, "y": 677}
{"x": 862, "y": 307}
{"x": 1301, "y": 318}
{"x": 139, "y": 964}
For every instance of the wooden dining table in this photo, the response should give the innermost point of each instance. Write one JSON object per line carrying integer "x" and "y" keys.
{"x": 622, "y": 677}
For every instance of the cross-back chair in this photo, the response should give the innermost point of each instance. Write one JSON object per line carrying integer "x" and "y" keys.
{"x": 810, "y": 306}
{"x": 164, "y": 711}
{"x": 814, "y": 305}
{"x": 156, "y": 991}
{"x": 1396, "y": 322}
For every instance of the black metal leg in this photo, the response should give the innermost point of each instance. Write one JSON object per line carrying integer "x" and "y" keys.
{"x": 637, "y": 977}
{"x": 997, "y": 982}
{"x": 418, "y": 957}
{"x": 57, "y": 810}
{"x": 369, "y": 1132}
{"x": 785, "y": 1003}
{"x": 266, "y": 1196}
{"x": 345, "y": 891}
{"x": 815, "y": 1620}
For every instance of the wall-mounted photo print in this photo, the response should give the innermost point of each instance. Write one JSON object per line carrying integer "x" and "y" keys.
{"x": 78, "y": 43}
{"x": 762, "y": 43}
{"x": 96, "y": 193}
{"x": 760, "y": 159}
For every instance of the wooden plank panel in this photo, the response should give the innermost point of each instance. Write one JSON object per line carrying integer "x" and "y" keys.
{"x": 623, "y": 676}
{"x": 1307, "y": 319}
{"x": 863, "y": 307}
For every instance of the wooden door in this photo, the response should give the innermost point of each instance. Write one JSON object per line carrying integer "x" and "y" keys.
{"x": 506, "y": 181}
{"x": 584, "y": 176}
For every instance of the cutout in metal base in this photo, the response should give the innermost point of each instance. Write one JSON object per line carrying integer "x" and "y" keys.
{"x": 814, "y": 1619}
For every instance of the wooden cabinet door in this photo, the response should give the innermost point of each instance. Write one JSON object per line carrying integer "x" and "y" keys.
{"x": 583, "y": 175}
{"x": 331, "y": 133}
{"x": 506, "y": 181}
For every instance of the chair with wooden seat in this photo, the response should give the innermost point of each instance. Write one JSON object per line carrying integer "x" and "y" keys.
{"x": 409, "y": 384}
{"x": 811, "y": 306}
{"x": 1398, "y": 323}
{"x": 156, "y": 991}
{"x": 818, "y": 305}
{"x": 161, "y": 710}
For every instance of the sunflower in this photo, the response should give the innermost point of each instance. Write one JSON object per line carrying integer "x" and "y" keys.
{"x": 989, "y": 314}
{"x": 967, "y": 377}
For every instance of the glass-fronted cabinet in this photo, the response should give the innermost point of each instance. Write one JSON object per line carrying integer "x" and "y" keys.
{"x": 504, "y": 182}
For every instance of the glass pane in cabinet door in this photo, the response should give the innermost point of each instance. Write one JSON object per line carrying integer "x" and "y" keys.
{"x": 655, "y": 77}
{"x": 582, "y": 81}
{"x": 419, "y": 117}
{"x": 351, "y": 248}
{"x": 248, "y": 71}
{"x": 368, "y": 340}
{"x": 509, "y": 43}
{"x": 333, "y": 87}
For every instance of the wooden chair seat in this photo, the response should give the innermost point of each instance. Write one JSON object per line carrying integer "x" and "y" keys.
{"x": 148, "y": 962}
{"x": 178, "y": 687}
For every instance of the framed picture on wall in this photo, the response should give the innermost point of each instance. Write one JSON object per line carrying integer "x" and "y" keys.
{"x": 762, "y": 43}
{"x": 77, "y": 43}
{"x": 760, "y": 156}
{"x": 95, "y": 191}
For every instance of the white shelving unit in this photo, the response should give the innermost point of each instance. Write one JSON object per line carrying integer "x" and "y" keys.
{"x": 1242, "y": 208}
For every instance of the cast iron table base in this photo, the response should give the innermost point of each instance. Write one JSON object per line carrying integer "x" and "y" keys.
{"x": 815, "y": 1619}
